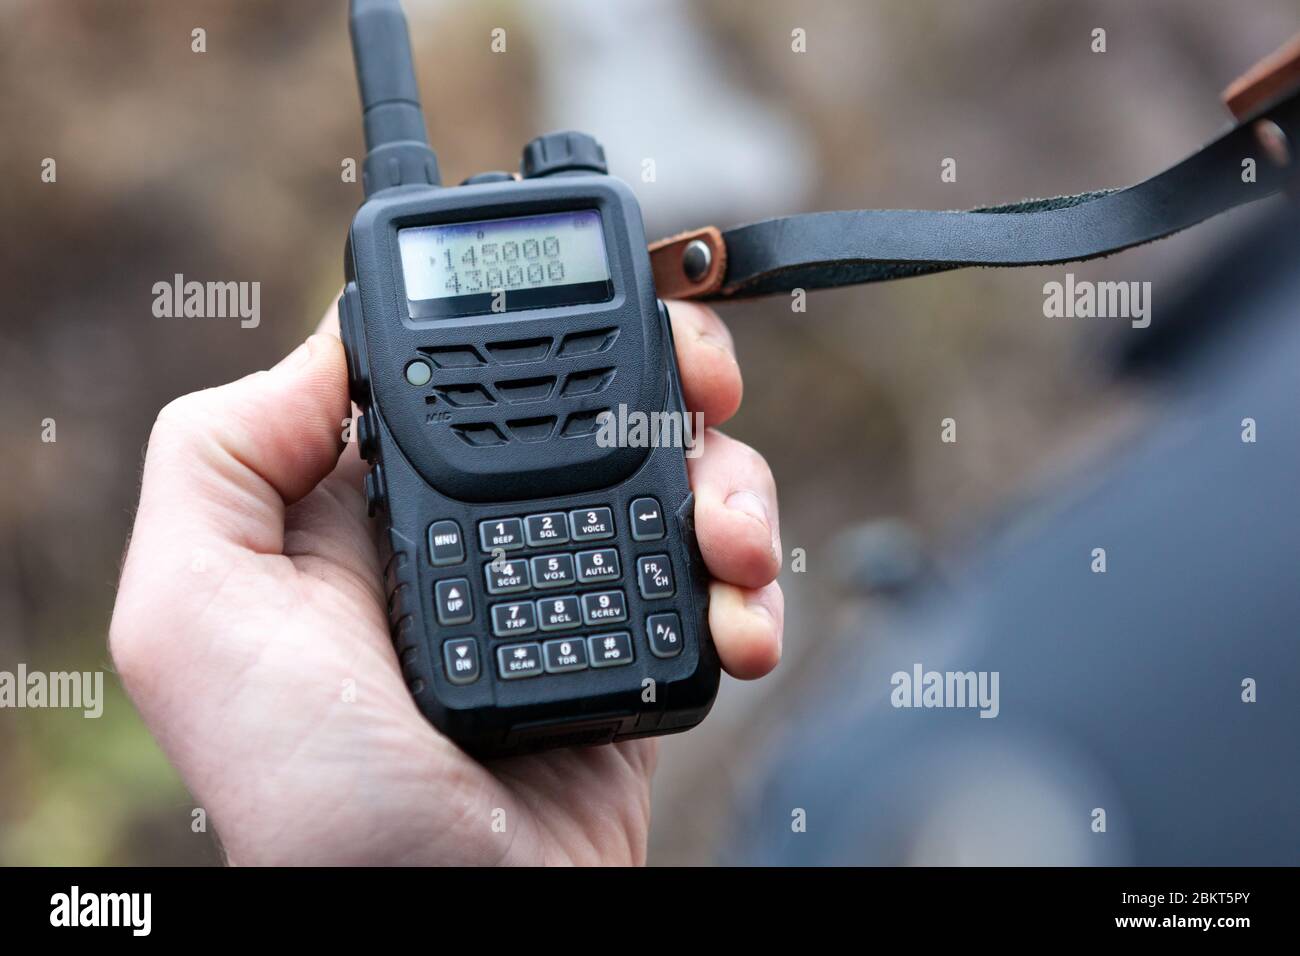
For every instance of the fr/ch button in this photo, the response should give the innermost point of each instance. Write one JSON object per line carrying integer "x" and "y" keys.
{"x": 654, "y": 576}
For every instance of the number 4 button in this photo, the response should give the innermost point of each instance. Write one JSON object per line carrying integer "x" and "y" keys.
{"x": 654, "y": 576}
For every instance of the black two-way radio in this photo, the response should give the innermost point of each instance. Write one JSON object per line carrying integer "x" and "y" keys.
{"x": 544, "y": 586}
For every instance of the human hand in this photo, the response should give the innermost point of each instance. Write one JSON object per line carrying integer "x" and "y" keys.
{"x": 251, "y": 594}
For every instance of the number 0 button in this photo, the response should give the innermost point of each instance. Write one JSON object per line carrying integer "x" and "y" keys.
{"x": 654, "y": 576}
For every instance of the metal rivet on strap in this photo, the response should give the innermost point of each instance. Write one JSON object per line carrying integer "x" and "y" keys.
{"x": 697, "y": 257}
{"x": 1274, "y": 141}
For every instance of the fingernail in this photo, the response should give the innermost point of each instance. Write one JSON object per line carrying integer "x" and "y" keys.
{"x": 751, "y": 504}
{"x": 748, "y": 503}
{"x": 295, "y": 359}
{"x": 756, "y": 606}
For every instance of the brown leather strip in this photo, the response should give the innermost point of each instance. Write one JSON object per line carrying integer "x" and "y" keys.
{"x": 671, "y": 280}
{"x": 1268, "y": 80}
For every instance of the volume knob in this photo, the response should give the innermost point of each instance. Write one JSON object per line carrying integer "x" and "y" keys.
{"x": 564, "y": 152}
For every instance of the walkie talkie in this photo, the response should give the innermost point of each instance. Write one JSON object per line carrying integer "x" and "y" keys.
{"x": 544, "y": 586}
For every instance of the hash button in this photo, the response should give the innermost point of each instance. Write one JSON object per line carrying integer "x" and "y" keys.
{"x": 610, "y": 650}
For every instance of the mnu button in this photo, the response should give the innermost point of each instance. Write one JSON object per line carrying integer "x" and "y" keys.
{"x": 519, "y": 660}
{"x": 445, "y": 543}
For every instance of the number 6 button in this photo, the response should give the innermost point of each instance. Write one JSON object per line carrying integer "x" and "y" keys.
{"x": 654, "y": 576}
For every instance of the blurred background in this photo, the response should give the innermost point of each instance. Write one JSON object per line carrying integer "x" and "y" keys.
{"x": 226, "y": 165}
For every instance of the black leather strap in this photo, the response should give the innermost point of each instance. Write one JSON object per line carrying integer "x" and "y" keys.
{"x": 821, "y": 250}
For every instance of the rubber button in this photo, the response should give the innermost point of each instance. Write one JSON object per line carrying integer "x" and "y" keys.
{"x": 460, "y": 657}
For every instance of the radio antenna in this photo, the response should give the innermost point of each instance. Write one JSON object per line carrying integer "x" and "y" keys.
{"x": 397, "y": 146}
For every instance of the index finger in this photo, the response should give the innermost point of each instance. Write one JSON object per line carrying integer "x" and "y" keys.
{"x": 706, "y": 358}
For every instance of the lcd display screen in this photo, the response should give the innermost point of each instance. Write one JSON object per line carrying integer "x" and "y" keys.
{"x": 504, "y": 265}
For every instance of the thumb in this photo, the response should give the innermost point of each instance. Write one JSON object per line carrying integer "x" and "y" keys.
{"x": 224, "y": 462}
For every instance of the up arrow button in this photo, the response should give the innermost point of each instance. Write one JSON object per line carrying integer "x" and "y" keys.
{"x": 453, "y": 601}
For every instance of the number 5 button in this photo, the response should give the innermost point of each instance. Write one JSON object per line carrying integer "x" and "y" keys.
{"x": 654, "y": 576}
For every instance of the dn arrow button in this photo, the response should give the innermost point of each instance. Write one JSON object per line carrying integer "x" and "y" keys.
{"x": 460, "y": 657}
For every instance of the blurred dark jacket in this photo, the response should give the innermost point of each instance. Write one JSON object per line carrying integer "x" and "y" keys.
{"x": 1120, "y": 691}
